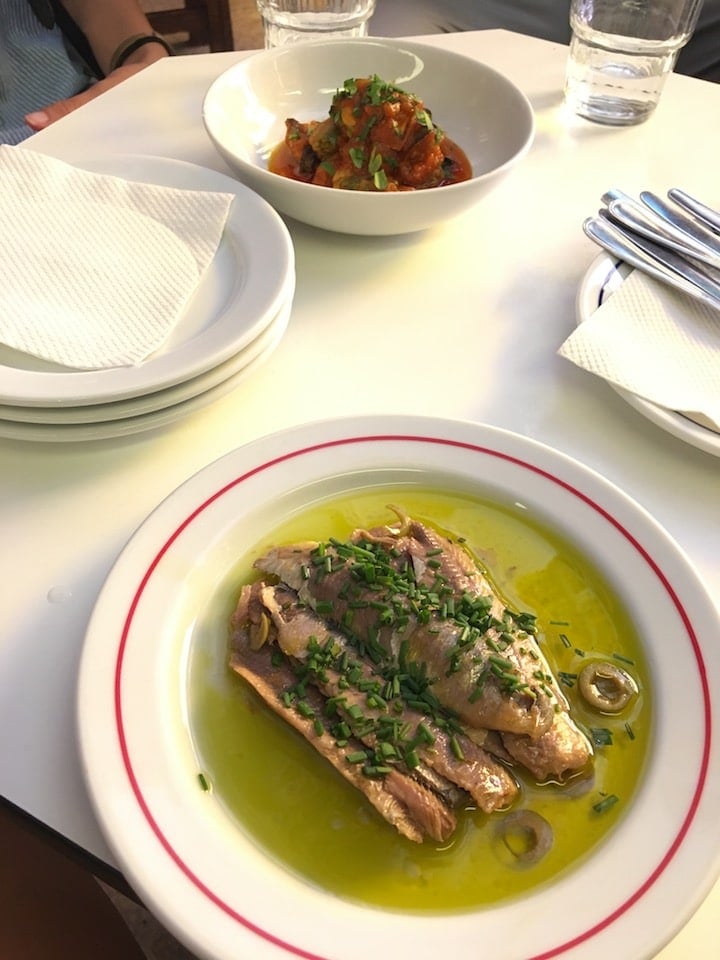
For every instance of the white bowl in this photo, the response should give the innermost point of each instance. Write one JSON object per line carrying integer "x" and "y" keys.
{"x": 484, "y": 113}
{"x": 202, "y": 872}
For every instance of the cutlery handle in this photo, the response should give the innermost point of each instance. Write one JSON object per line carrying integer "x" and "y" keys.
{"x": 698, "y": 232}
{"x": 705, "y": 278}
{"x": 603, "y": 232}
{"x": 628, "y": 213}
{"x": 709, "y": 216}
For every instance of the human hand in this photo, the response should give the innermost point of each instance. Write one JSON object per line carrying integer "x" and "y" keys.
{"x": 39, "y": 119}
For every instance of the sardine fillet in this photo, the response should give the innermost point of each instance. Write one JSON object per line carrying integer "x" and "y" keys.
{"x": 562, "y": 750}
{"x": 527, "y": 709}
{"x": 292, "y": 626}
{"x": 414, "y": 811}
{"x": 542, "y": 716}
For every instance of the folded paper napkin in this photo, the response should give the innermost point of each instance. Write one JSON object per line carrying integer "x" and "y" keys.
{"x": 96, "y": 270}
{"x": 657, "y": 343}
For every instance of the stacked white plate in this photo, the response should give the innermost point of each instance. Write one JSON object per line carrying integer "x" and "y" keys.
{"x": 234, "y": 321}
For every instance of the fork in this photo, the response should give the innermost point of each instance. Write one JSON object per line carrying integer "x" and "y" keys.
{"x": 664, "y": 265}
{"x": 655, "y": 220}
{"x": 706, "y": 215}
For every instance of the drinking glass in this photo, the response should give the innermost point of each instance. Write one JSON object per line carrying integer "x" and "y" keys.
{"x": 621, "y": 52}
{"x": 292, "y": 21}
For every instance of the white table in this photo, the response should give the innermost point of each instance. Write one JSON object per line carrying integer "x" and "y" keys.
{"x": 476, "y": 309}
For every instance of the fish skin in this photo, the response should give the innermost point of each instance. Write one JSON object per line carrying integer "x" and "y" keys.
{"x": 558, "y": 754}
{"x": 562, "y": 749}
{"x": 488, "y": 782}
{"x": 521, "y": 713}
{"x": 414, "y": 811}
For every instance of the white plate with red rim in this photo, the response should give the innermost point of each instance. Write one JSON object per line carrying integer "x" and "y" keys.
{"x": 247, "y": 282}
{"x": 603, "y": 277}
{"x": 209, "y": 882}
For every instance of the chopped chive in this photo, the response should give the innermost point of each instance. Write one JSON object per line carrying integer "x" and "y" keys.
{"x": 565, "y": 642}
{"x": 622, "y": 659}
{"x": 608, "y": 801}
{"x": 202, "y": 780}
{"x": 374, "y": 700}
{"x": 424, "y": 734}
{"x": 568, "y": 679}
{"x": 629, "y": 731}
{"x": 601, "y": 736}
{"x": 375, "y": 770}
{"x": 501, "y": 662}
{"x": 412, "y": 759}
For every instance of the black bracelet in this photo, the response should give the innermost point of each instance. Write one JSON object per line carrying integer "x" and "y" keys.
{"x": 129, "y": 46}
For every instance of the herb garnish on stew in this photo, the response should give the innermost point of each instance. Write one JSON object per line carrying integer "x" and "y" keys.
{"x": 376, "y": 138}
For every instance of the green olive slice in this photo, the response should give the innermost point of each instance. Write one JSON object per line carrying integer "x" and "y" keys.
{"x": 606, "y": 687}
{"x": 527, "y": 835}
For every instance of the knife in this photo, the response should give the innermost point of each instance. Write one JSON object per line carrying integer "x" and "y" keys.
{"x": 698, "y": 232}
{"x": 636, "y": 217}
{"x": 708, "y": 216}
{"x": 653, "y": 260}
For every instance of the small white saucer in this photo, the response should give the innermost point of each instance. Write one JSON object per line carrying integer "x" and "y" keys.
{"x": 602, "y": 279}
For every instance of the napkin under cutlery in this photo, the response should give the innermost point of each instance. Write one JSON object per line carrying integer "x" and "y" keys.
{"x": 95, "y": 270}
{"x": 657, "y": 343}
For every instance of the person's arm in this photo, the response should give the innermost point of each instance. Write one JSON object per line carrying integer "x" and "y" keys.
{"x": 106, "y": 25}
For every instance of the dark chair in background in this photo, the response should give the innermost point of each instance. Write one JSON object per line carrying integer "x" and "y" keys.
{"x": 207, "y": 23}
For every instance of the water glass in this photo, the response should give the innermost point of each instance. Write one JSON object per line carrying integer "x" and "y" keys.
{"x": 292, "y": 21}
{"x": 621, "y": 52}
